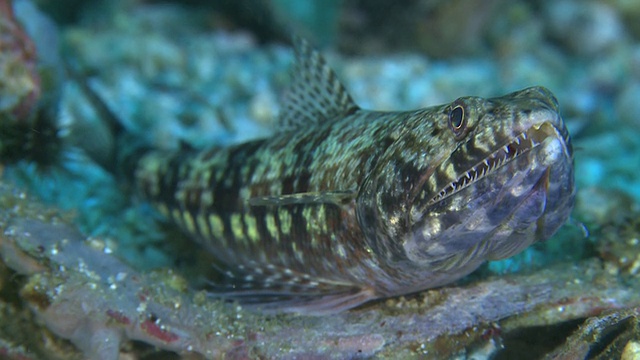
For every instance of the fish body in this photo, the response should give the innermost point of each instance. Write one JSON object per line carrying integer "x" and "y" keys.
{"x": 343, "y": 205}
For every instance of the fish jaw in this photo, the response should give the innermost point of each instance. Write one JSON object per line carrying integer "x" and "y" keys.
{"x": 508, "y": 183}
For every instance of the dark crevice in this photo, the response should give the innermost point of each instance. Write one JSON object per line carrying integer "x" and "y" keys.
{"x": 534, "y": 342}
{"x": 601, "y": 346}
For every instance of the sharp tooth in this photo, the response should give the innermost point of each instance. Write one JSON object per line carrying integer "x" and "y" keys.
{"x": 524, "y": 135}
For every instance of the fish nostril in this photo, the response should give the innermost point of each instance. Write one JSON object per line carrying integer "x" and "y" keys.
{"x": 547, "y": 97}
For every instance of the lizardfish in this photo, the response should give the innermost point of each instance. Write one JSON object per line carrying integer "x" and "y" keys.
{"x": 343, "y": 205}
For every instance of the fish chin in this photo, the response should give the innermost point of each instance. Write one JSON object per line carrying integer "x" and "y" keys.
{"x": 500, "y": 206}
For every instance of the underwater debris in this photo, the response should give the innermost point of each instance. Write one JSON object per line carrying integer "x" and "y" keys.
{"x": 436, "y": 28}
{"x": 29, "y": 80}
{"x": 612, "y": 335}
{"x": 82, "y": 293}
{"x": 619, "y": 245}
{"x": 588, "y": 28}
{"x": 19, "y": 78}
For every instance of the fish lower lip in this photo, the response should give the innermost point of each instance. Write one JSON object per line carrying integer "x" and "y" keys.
{"x": 521, "y": 144}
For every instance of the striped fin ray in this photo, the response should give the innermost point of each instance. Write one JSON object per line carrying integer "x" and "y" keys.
{"x": 276, "y": 289}
{"x": 315, "y": 93}
{"x": 313, "y": 304}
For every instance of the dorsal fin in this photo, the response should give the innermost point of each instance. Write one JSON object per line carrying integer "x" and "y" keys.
{"x": 315, "y": 93}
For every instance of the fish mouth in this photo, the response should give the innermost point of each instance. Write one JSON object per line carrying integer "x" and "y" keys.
{"x": 520, "y": 145}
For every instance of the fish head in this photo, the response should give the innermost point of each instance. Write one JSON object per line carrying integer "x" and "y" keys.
{"x": 497, "y": 178}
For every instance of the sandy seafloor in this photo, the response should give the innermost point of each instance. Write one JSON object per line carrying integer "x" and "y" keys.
{"x": 178, "y": 74}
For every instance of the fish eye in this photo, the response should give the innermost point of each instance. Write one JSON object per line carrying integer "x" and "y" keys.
{"x": 457, "y": 119}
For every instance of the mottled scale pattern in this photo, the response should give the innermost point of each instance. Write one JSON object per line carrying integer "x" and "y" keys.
{"x": 344, "y": 205}
{"x": 208, "y": 194}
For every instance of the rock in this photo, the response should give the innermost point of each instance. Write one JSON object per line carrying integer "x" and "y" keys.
{"x": 584, "y": 27}
{"x": 627, "y": 105}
